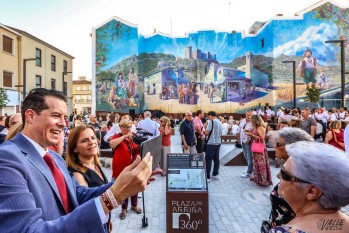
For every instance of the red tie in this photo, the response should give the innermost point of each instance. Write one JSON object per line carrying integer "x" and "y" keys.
{"x": 59, "y": 179}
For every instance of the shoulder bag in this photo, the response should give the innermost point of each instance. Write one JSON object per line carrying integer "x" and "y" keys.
{"x": 206, "y": 140}
{"x": 258, "y": 146}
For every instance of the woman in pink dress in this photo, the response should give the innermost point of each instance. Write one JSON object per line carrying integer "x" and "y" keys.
{"x": 261, "y": 167}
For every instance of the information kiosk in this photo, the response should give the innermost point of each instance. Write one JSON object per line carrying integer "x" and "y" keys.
{"x": 186, "y": 194}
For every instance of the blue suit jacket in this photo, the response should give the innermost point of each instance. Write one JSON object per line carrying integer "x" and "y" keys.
{"x": 29, "y": 198}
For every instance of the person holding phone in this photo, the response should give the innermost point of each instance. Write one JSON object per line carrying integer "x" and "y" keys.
{"x": 165, "y": 132}
{"x": 125, "y": 152}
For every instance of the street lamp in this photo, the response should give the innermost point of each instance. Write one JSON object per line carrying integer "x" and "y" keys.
{"x": 64, "y": 73}
{"x": 294, "y": 82}
{"x": 25, "y": 75}
{"x": 342, "y": 45}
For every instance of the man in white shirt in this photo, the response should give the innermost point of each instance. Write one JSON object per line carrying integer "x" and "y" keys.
{"x": 149, "y": 125}
{"x": 245, "y": 124}
{"x": 342, "y": 113}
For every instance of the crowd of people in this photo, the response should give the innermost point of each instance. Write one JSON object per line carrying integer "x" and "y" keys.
{"x": 51, "y": 174}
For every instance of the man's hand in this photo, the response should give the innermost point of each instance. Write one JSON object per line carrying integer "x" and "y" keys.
{"x": 186, "y": 147}
{"x": 133, "y": 179}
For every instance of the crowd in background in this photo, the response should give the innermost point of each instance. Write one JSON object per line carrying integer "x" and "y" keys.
{"x": 82, "y": 138}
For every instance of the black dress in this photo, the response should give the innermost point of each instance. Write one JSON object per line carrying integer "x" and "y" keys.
{"x": 94, "y": 180}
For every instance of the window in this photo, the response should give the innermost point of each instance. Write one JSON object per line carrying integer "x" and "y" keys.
{"x": 38, "y": 57}
{"x": 7, "y": 44}
{"x": 53, "y": 84}
{"x": 65, "y": 66}
{"x": 7, "y": 79}
{"x": 53, "y": 63}
{"x": 262, "y": 43}
{"x": 65, "y": 88}
{"x": 37, "y": 81}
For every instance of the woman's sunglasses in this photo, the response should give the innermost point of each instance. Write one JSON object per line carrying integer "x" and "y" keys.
{"x": 287, "y": 177}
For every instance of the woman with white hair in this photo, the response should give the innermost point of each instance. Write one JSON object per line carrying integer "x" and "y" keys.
{"x": 281, "y": 212}
{"x": 314, "y": 182}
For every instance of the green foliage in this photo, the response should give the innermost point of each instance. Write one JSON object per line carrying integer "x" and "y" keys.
{"x": 313, "y": 94}
{"x": 3, "y": 98}
{"x": 113, "y": 30}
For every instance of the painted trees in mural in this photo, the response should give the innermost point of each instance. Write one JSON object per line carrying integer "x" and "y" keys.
{"x": 117, "y": 82}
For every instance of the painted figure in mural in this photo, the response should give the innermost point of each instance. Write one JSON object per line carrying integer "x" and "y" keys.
{"x": 223, "y": 94}
{"x": 165, "y": 93}
{"x": 121, "y": 92}
{"x": 148, "y": 89}
{"x": 185, "y": 93}
{"x": 308, "y": 68}
{"x": 154, "y": 88}
{"x": 111, "y": 97}
{"x": 133, "y": 79}
{"x": 322, "y": 79}
{"x": 194, "y": 98}
{"x": 211, "y": 92}
{"x": 180, "y": 94}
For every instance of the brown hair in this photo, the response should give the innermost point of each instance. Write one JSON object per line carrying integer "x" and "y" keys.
{"x": 72, "y": 158}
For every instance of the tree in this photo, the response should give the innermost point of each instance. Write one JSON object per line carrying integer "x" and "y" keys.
{"x": 3, "y": 98}
{"x": 313, "y": 95}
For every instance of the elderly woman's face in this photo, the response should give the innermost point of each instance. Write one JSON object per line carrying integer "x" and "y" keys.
{"x": 280, "y": 151}
{"x": 293, "y": 194}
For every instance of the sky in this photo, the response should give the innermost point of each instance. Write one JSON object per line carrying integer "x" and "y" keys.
{"x": 67, "y": 24}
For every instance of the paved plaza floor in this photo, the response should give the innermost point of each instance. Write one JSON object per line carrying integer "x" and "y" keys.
{"x": 235, "y": 204}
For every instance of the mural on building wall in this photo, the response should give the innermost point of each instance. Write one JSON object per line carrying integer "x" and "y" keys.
{"x": 118, "y": 87}
{"x": 221, "y": 71}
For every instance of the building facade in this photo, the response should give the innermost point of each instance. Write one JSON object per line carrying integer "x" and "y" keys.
{"x": 82, "y": 96}
{"x": 26, "y": 62}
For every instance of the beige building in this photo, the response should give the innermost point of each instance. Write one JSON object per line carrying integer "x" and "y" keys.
{"x": 26, "y": 62}
{"x": 82, "y": 95}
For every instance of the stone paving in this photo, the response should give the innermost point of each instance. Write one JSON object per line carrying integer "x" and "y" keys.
{"x": 235, "y": 204}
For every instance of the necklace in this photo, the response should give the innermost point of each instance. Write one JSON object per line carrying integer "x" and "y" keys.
{"x": 92, "y": 167}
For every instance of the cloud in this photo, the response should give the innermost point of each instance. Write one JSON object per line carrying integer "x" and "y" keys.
{"x": 312, "y": 38}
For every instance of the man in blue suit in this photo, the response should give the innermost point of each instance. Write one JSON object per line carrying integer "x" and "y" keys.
{"x": 31, "y": 198}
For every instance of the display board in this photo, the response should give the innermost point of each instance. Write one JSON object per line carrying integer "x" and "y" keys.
{"x": 186, "y": 172}
{"x": 187, "y": 194}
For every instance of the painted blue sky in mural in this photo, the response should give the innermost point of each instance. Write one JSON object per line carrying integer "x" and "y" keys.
{"x": 293, "y": 38}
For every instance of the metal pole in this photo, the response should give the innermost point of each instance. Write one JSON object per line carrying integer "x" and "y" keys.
{"x": 294, "y": 85}
{"x": 343, "y": 72}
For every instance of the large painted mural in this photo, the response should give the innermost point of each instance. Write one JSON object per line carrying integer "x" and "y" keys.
{"x": 221, "y": 71}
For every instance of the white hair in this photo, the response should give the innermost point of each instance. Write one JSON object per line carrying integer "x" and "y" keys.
{"x": 324, "y": 166}
{"x": 292, "y": 135}
{"x": 147, "y": 114}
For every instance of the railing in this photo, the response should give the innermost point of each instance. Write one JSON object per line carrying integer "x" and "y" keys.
{"x": 83, "y": 101}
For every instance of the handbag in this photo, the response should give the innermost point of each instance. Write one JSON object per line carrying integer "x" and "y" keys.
{"x": 206, "y": 140}
{"x": 258, "y": 147}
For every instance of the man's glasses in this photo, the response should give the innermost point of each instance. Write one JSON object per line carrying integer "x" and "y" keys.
{"x": 278, "y": 144}
{"x": 189, "y": 115}
{"x": 287, "y": 177}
